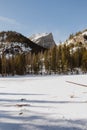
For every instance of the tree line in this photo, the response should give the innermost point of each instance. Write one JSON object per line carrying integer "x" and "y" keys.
{"x": 61, "y": 59}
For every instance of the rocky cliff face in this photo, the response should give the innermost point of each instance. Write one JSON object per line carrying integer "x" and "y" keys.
{"x": 43, "y": 39}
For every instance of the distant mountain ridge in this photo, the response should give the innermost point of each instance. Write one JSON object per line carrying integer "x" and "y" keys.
{"x": 19, "y": 55}
{"x": 13, "y": 42}
{"x": 43, "y": 39}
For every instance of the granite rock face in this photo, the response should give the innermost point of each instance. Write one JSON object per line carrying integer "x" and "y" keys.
{"x": 43, "y": 39}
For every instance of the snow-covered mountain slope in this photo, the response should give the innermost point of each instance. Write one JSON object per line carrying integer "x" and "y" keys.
{"x": 13, "y": 42}
{"x": 13, "y": 48}
{"x": 43, "y": 103}
{"x": 43, "y": 39}
{"x": 77, "y": 41}
{"x": 79, "y": 37}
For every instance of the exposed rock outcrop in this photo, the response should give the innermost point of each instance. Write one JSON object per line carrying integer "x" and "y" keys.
{"x": 79, "y": 37}
{"x": 43, "y": 39}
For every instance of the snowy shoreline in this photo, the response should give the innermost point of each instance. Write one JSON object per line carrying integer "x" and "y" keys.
{"x": 40, "y": 75}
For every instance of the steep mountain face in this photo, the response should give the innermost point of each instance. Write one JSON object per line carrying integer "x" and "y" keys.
{"x": 43, "y": 39}
{"x": 14, "y": 43}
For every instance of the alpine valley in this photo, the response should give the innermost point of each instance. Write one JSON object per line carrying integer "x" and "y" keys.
{"x": 39, "y": 54}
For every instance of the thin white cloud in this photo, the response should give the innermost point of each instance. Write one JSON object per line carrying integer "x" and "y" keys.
{"x": 9, "y": 20}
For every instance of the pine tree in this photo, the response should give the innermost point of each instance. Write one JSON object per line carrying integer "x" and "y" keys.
{"x": 20, "y": 64}
{"x": 71, "y": 63}
{"x": 65, "y": 58}
{"x": 41, "y": 62}
{"x": 12, "y": 65}
{"x": 35, "y": 64}
{"x": 54, "y": 59}
{"x": 84, "y": 62}
{"x": 78, "y": 57}
{"x": 59, "y": 59}
{"x": 4, "y": 73}
{"x": 48, "y": 61}
{"x": 28, "y": 62}
{"x": 8, "y": 65}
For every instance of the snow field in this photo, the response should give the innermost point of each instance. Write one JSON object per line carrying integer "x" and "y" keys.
{"x": 43, "y": 103}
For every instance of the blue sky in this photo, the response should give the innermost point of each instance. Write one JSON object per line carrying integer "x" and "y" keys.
{"x": 61, "y": 17}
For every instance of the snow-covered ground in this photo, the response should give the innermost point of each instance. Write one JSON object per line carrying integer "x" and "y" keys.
{"x": 43, "y": 103}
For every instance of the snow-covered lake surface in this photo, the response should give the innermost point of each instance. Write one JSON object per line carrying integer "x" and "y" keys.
{"x": 43, "y": 103}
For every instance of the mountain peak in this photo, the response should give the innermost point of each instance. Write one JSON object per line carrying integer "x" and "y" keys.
{"x": 43, "y": 39}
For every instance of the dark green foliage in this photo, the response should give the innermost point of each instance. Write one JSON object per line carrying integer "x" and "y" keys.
{"x": 20, "y": 64}
{"x": 4, "y": 64}
{"x": 46, "y": 61}
{"x": 35, "y": 64}
{"x": 54, "y": 59}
